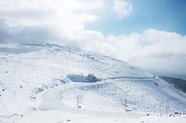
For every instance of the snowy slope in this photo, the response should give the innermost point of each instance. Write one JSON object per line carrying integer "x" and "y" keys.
{"x": 36, "y": 80}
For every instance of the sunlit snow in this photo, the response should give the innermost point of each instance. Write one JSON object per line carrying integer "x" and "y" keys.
{"x": 45, "y": 83}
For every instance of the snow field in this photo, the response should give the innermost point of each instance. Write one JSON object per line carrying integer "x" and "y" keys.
{"x": 35, "y": 87}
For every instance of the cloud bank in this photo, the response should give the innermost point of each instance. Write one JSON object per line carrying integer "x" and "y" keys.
{"x": 63, "y": 22}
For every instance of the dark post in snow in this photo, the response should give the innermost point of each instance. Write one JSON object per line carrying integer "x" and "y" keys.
{"x": 77, "y": 103}
{"x": 125, "y": 103}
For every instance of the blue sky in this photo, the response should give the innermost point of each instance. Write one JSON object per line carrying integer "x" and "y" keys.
{"x": 150, "y": 34}
{"x": 167, "y": 15}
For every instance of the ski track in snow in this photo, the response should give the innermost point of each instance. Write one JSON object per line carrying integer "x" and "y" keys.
{"x": 51, "y": 101}
{"x": 51, "y": 97}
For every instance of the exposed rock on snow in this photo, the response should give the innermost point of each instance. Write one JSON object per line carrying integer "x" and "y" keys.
{"x": 92, "y": 78}
{"x": 81, "y": 78}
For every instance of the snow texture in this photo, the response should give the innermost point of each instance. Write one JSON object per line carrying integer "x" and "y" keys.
{"x": 56, "y": 84}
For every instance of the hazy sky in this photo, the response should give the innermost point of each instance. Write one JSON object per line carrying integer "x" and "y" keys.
{"x": 150, "y": 34}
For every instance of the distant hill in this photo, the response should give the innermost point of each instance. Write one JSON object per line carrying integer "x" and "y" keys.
{"x": 177, "y": 82}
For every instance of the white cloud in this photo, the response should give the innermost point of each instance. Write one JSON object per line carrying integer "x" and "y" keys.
{"x": 163, "y": 43}
{"x": 122, "y": 8}
{"x": 126, "y": 46}
{"x": 153, "y": 50}
{"x": 91, "y": 40}
{"x": 67, "y": 18}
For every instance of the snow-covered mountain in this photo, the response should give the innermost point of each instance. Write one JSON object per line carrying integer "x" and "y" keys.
{"x": 46, "y": 77}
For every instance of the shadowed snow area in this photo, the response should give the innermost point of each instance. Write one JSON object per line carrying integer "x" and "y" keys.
{"x": 50, "y": 83}
{"x": 81, "y": 78}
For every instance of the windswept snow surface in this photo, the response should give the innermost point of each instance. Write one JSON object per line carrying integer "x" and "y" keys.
{"x": 46, "y": 83}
